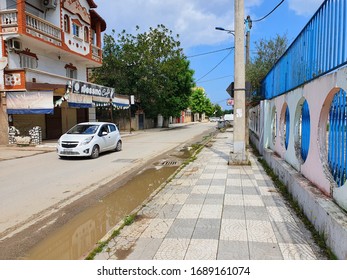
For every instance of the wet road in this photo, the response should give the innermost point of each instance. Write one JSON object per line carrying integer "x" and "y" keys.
{"x": 36, "y": 191}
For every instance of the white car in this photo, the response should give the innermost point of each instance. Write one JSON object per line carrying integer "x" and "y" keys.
{"x": 89, "y": 139}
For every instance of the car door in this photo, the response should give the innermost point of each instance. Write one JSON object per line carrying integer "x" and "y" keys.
{"x": 114, "y": 136}
{"x": 104, "y": 138}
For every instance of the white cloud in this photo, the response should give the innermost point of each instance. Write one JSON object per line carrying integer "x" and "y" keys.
{"x": 193, "y": 20}
{"x": 304, "y": 8}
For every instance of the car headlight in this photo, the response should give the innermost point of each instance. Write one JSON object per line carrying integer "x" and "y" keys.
{"x": 59, "y": 142}
{"x": 87, "y": 140}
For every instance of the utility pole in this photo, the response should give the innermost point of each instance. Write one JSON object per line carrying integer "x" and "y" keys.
{"x": 238, "y": 155}
{"x": 248, "y": 23}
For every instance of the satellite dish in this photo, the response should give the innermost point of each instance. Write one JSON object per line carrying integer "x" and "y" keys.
{"x": 3, "y": 62}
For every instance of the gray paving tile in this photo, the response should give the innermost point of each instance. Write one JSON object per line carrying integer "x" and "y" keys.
{"x": 181, "y": 228}
{"x": 204, "y": 182}
{"x": 250, "y": 190}
{"x": 207, "y": 229}
{"x": 218, "y": 182}
{"x": 264, "y": 251}
{"x": 233, "y": 250}
{"x": 247, "y": 176}
{"x": 233, "y": 190}
{"x": 234, "y": 212}
{"x": 214, "y": 199}
{"x": 257, "y": 213}
{"x": 195, "y": 198}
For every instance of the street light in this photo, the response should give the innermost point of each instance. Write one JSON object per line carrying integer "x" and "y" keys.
{"x": 226, "y": 30}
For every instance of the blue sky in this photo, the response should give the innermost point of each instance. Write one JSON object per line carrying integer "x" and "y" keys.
{"x": 195, "y": 22}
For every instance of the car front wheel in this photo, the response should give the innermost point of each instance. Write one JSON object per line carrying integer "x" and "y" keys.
{"x": 95, "y": 152}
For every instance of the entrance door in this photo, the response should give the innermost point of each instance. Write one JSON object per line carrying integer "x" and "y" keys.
{"x": 54, "y": 124}
{"x": 82, "y": 115}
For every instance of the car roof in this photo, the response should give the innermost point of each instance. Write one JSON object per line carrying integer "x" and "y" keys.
{"x": 95, "y": 123}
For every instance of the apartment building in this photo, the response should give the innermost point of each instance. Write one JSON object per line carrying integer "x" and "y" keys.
{"x": 48, "y": 49}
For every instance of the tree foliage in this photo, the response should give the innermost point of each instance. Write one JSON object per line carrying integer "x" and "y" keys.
{"x": 149, "y": 65}
{"x": 200, "y": 103}
{"x": 267, "y": 54}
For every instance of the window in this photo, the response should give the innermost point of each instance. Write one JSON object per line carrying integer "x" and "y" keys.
{"x": 71, "y": 71}
{"x": 86, "y": 34}
{"x": 28, "y": 60}
{"x": 66, "y": 24}
{"x": 93, "y": 37}
{"x": 76, "y": 30}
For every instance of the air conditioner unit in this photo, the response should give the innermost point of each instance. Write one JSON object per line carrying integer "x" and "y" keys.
{"x": 14, "y": 44}
{"x": 50, "y": 4}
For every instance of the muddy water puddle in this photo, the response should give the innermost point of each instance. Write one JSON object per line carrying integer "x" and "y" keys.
{"x": 79, "y": 236}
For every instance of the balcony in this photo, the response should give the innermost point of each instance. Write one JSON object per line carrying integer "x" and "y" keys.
{"x": 96, "y": 53}
{"x": 9, "y": 21}
{"x": 43, "y": 29}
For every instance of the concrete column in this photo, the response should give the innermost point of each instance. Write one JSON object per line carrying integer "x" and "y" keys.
{"x": 239, "y": 153}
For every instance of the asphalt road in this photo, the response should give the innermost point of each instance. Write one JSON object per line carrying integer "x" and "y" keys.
{"x": 34, "y": 188}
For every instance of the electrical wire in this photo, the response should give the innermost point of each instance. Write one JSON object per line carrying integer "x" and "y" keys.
{"x": 220, "y": 78}
{"x": 257, "y": 20}
{"x": 215, "y": 66}
{"x": 201, "y": 54}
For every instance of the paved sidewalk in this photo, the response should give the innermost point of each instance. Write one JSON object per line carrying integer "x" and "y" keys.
{"x": 214, "y": 211}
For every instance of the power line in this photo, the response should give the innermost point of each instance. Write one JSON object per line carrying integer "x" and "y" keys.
{"x": 257, "y": 20}
{"x": 209, "y": 52}
{"x": 215, "y": 66}
{"x": 220, "y": 78}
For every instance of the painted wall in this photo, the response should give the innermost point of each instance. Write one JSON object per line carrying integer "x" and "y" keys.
{"x": 319, "y": 94}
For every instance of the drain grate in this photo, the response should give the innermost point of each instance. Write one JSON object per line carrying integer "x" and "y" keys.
{"x": 169, "y": 163}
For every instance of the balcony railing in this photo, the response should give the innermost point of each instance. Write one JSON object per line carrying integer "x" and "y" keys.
{"x": 42, "y": 26}
{"x": 9, "y": 18}
{"x": 96, "y": 51}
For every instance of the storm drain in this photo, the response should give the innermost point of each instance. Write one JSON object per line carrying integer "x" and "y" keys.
{"x": 170, "y": 163}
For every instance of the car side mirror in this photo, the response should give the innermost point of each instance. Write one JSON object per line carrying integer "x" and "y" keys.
{"x": 104, "y": 133}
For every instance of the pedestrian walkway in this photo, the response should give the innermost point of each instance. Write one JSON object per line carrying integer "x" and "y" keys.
{"x": 214, "y": 211}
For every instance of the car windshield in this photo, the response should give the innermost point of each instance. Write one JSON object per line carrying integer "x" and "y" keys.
{"x": 83, "y": 129}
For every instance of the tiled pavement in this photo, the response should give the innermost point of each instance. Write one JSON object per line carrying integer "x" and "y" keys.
{"x": 214, "y": 211}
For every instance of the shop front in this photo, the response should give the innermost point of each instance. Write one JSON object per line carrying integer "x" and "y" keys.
{"x": 56, "y": 110}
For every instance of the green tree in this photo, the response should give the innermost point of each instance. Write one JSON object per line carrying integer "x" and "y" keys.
{"x": 149, "y": 65}
{"x": 267, "y": 54}
{"x": 218, "y": 111}
{"x": 200, "y": 103}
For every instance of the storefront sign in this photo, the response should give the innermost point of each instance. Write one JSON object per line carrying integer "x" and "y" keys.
{"x": 92, "y": 89}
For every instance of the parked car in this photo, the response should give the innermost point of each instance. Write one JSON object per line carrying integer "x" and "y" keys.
{"x": 214, "y": 119}
{"x": 89, "y": 139}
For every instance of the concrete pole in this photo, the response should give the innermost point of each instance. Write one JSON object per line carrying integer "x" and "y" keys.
{"x": 239, "y": 154}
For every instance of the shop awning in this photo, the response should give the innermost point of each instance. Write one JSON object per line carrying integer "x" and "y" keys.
{"x": 30, "y": 102}
{"x": 80, "y": 101}
{"x": 121, "y": 102}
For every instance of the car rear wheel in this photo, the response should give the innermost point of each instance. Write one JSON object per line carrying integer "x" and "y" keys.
{"x": 95, "y": 152}
{"x": 119, "y": 146}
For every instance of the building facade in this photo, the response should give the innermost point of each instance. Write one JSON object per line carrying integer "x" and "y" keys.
{"x": 48, "y": 49}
